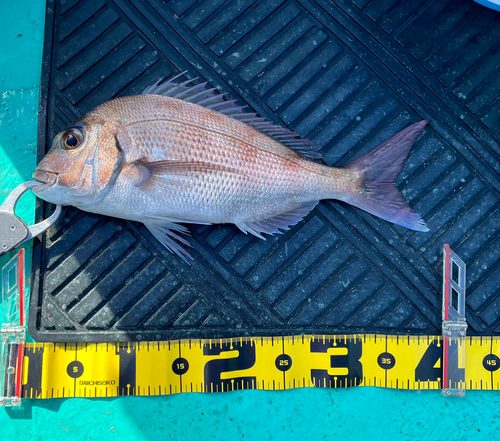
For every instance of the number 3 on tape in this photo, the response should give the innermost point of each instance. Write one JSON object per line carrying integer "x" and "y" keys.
{"x": 348, "y": 361}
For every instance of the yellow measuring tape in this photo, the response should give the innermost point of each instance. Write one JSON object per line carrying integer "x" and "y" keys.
{"x": 452, "y": 363}
{"x": 268, "y": 363}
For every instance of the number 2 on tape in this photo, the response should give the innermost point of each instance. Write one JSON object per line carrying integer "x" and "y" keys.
{"x": 214, "y": 368}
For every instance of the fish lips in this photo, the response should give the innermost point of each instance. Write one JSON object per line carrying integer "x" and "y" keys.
{"x": 48, "y": 179}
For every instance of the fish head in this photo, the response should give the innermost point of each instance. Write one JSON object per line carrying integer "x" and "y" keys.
{"x": 83, "y": 162}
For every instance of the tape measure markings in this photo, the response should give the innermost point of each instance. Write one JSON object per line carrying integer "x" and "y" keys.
{"x": 270, "y": 363}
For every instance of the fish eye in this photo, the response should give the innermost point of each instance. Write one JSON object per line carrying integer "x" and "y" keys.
{"x": 72, "y": 139}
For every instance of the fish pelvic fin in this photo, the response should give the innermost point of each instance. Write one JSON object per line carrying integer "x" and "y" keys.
{"x": 380, "y": 168}
{"x": 163, "y": 231}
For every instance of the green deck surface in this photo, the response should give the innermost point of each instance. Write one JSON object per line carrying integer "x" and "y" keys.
{"x": 305, "y": 414}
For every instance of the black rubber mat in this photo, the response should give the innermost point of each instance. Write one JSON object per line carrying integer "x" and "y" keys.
{"x": 347, "y": 75}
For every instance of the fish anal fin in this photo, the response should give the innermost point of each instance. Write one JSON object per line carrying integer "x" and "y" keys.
{"x": 274, "y": 224}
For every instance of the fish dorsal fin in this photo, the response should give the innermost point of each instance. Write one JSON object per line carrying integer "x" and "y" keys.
{"x": 211, "y": 99}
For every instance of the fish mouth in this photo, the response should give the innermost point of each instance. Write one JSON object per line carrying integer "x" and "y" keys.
{"x": 48, "y": 179}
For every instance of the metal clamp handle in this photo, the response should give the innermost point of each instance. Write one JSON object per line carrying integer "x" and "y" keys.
{"x": 13, "y": 230}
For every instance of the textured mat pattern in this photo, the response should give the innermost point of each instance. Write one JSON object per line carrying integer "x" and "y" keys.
{"x": 346, "y": 75}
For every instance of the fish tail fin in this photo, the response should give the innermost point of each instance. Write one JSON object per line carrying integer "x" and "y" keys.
{"x": 379, "y": 170}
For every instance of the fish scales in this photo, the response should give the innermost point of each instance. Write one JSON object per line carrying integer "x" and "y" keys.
{"x": 259, "y": 177}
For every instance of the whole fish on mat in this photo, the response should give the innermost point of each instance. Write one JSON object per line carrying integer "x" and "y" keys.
{"x": 182, "y": 154}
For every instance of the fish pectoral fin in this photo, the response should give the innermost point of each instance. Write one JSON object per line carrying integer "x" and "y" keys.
{"x": 174, "y": 174}
{"x": 148, "y": 169}
{"x": 148, "y": 179}
{"x": 274, "y": 224}
{"x": 163, "y": 231}
{"x": 183, "y": 168}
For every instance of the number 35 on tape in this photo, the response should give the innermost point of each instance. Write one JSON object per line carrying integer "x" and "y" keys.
{"x": 269, "y": 363}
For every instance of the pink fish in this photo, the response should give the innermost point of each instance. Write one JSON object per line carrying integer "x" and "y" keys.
{"x": 182, "y": 154}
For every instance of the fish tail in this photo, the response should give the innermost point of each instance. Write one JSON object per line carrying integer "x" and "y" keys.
{"x": 379, "y": 169}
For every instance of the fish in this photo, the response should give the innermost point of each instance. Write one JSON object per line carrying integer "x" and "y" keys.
{"x": 183, "y": 154}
